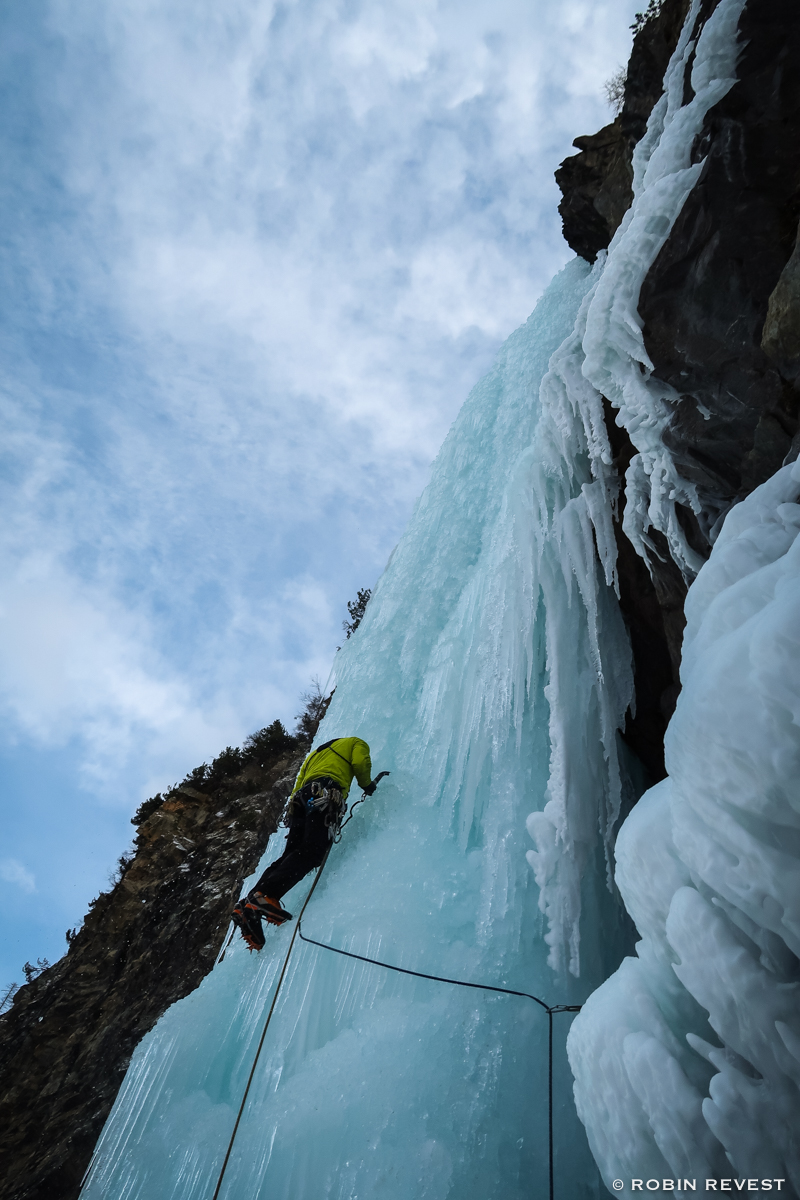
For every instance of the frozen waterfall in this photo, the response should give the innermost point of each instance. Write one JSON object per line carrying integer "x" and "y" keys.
{"x": 373, "y": 1084}
{"x": 490, "y": 676}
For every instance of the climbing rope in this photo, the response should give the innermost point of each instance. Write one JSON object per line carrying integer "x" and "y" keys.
{"x": 295, "y": 932}
{"x": 550, "y": 1009}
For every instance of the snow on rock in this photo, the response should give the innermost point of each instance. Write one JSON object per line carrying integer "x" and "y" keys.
{"x": 616, "y": 362}
{"x": 687, "y": 1061}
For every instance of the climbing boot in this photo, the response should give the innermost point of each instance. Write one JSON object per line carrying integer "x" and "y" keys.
{"x": 271, "y": 910}
{"x": 248, "y": 922}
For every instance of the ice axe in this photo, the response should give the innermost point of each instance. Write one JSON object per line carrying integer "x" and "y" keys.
{"x": 370, "y": 788}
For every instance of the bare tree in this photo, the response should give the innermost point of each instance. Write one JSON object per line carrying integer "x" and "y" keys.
{"x": 614, "y": 89}
{"x": 315, "y": 705}
{"x": 7, "y": 996}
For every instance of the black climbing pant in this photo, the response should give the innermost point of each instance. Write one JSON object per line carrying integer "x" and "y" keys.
{"x": 305, "y": 849}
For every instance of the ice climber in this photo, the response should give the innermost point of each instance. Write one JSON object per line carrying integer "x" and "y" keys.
{"x": 316, "y": 808}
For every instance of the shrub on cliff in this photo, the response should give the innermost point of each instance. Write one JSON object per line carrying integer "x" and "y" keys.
{"x": 650, "y": 13}
{"x": 146, "y": 808}
{"x": 268, "y": 744}
{"x": 356, "y": 608}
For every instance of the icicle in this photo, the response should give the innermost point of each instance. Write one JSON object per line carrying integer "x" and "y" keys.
{"x": 605, "y": 356}
{"x": 707, "y": 864}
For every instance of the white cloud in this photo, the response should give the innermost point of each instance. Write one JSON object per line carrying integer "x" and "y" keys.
{"x": 76, "y": 664}
{"x": 264, "y": 183}
{"x": 12, "y": 871}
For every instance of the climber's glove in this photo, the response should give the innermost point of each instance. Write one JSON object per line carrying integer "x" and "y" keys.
{"x": 371, "y": 787}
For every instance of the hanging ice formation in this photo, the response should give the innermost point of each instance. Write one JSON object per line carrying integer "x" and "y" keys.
{"x": 687, "y": 1061}
{"x": 490, "y": 675}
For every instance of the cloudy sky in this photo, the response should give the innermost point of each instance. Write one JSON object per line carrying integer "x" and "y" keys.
{"x": 254, "y": 255}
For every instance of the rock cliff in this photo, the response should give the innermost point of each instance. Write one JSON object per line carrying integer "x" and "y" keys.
{"x": 720, "y": 305}
{"x": 66, "y": 1042}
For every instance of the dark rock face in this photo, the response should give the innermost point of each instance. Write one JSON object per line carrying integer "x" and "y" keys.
{"x": 705, "y": 300}
{"x": 597, "y": 189}
{"x": 596, "y": 184}
{"x": 720, "y": 305}
{"x": 653, "y": 611}
{"x": 780, "y": 340}
{"x": 66, "y": 1043}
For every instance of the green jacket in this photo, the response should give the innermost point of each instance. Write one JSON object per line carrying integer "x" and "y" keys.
{"x": 344, "y": 758}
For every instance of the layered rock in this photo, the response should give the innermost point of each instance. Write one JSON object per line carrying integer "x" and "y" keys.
{"x": 596, "y": 184}
{"x": 66, "y": 1042}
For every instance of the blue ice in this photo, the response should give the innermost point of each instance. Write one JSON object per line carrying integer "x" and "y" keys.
{"x": 373, "y": 1084}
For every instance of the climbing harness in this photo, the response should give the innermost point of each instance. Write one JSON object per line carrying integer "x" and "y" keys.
{"x": 326, "y": 797}
{"x": 323, "y": 794}
{"x": 550, "y": 1009}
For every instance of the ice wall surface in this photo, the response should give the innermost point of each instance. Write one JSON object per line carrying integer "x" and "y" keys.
{"x": 687, "y": 1061}
{"x": 373, "y": 1084}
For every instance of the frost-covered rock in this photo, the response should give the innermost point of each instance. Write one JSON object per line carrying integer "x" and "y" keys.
{"x": 575, "y": 486}
{"x": 687, "y": 1061}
